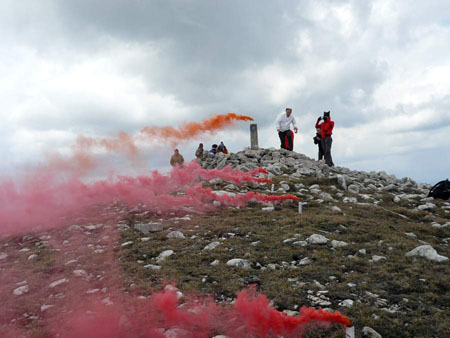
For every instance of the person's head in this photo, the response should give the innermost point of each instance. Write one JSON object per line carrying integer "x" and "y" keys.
{"x": 200, "y": 145}
{"x": 176, "y": 151}
{"x": 288, "y": 111}
{"x": 214, "y": 146}
{"x": 326, "y": 115}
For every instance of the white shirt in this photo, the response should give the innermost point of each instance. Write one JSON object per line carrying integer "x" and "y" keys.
{"x": 284, "y": 122}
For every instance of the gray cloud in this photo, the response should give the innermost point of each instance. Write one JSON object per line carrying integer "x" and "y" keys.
{"x": 97, "y": 67}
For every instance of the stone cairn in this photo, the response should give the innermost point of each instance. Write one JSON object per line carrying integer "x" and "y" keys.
{"x": 295, "y": 165}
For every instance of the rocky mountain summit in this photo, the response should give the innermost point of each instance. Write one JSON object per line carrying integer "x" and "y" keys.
{"x": 293, "y": 165}
{"x": 370, "y": 245}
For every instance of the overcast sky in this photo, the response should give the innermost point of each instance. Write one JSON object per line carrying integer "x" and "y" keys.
{"x": 91, "y": 67}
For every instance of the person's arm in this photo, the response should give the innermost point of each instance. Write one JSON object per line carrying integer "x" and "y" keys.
{"x": 182, "y": 159}
{"x": 295, "y": 124}
{"x": 279, "y": 124}
{"x": 317, "y": 123}
{"x": 171, "y": 161}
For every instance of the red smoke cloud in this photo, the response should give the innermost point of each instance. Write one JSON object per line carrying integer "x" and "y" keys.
{"x": 250, "y": 316}
{"x": 41, "y": 200}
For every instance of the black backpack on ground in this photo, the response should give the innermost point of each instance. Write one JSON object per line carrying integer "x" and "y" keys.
{"x": 440, "y": 190}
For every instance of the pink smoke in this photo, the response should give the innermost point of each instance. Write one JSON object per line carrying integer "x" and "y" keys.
{"x": 42, "y": 200}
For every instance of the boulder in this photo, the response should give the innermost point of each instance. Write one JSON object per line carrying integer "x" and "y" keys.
{"x": 317, "y": 239}
{"x": 239, "y": 262}
{"x": 428, "y": 252}
{"x": 146, "y": 228}
{"x": 175, "y": 234}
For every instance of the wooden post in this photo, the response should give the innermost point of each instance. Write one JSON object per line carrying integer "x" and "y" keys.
{"x": 254, "y": 136}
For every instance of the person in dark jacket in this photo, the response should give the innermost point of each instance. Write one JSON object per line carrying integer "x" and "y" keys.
{"x": 326, "y": 130}
{"x": 318, "y": 140}
{"x": 214, "y": 149}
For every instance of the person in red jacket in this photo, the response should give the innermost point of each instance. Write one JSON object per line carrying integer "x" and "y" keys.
{"x": 326, "y": 130}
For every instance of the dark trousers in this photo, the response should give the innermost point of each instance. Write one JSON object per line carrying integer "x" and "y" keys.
{"x": 283, "y": 135}
{"x": 320, "y": 150}
{"x": 326, "y": 146}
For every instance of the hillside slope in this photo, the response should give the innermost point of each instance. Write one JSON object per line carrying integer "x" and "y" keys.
{"x": 346, "y": 251}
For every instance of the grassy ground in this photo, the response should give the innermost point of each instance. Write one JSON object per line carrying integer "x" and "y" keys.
{"x": 411, "y": 298}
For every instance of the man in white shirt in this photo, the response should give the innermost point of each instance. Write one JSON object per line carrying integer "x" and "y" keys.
{"x": 284, "y": 129}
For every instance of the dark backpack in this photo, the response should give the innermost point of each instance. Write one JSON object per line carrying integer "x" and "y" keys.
{"x": 440, "y": 190}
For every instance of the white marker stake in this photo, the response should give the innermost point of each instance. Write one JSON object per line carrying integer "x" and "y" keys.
{"x": 271, "y": 190}
{"x": 350, "y": 332}
{"x": 300, "y": 207}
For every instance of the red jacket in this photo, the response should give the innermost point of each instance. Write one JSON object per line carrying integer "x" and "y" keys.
{"x": 326, "y": 128}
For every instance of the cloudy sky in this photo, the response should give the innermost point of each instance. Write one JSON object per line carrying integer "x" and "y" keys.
{"x": 94, "y": 67}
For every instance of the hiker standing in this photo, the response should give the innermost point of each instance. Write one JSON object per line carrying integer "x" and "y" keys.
{"x": 317, "y": 140}
{"x": 199, "y": 151}
{"x": 326, "y": 130}
{"x": 284, "y": 129}
{"x": 176, "y": 159}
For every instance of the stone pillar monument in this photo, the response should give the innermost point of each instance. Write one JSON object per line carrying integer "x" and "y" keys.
{"x": 254, "y": 136}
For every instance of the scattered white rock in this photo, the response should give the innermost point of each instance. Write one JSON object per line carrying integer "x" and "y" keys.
{"x": 305, "y": 261}
{"x": 127, "y": 243}
{"x": 70, "y": 262}
{"x": 326, "y": 196}
{"x": 80, "y": 273}
{"x": 239, "y": 262}
{"x": 32, "y": 256}
{"x": 163, "y": 255}
{"x": 46, "y": 307}
{"x": 145, "y": 239}
{"x": 317, "y": 239}
{"x": 3, "y": 255}
{"x": 368, "y": 332}
{"x": 376, "y": 258}
{"x": 58, "y": 282}
{"x": 269, "y": 208}
{"x": 353, "y": 188}
{"x": 21, "y": 290}
{"x": 346, "y": 303}
{"x": 341, "y": 181}
{"x": 426, "y": 206}
{"x": 215, "y": 262}
{"x": 335, "y": 208}
{"x": 211, "y": 246}
{"x": 176, "y": 235}
{"x": 428, "y": 252}
{"x": 362, "y": 251}
{"x": 106, "y": 301}
{"x": 338, "y": 244}
{"x": 152, "y": 267}
{"x": 300, "y": 243}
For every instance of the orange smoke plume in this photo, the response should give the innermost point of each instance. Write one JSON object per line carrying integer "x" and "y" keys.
{"x": 192, "y": 129}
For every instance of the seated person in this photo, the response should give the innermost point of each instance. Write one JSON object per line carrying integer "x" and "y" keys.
{"x": 213, "y": 149}
{"x": 222, "y": 148}
{"x": 199, "y": 152}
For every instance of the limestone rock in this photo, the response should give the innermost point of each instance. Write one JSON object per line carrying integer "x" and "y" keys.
{"x": 211, "y": 246}
{"x": 368, "y": 332}
{"x": 163, "y": 255}
{"x": 146, "y": 228}
{"x": 239, "y": 262}
{"x": 21, "y": 290}
{"x": 338, "y": 244}
{"x": 353, "y": 188}
{"x": 428, "y": 252}
{"x": 317, "y": 239}
{"x": 175, "y": 234}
